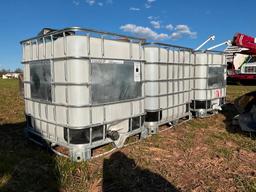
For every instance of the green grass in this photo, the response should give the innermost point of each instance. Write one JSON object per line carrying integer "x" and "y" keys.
{"x": 12, "y": 110}
{"x": 187, "y": 140}
{"x": 198, "y": 124}
{"x": 245, "y": 185}
{"x": 234, "y": 91}
{"x": 224, "y": 152}
{"x": 26, "y": 167}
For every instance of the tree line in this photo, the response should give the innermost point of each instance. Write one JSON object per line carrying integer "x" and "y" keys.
{"x": 17, "y": 70}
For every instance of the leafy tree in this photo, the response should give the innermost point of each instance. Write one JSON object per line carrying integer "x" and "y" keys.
{"x": 18, "y": 70}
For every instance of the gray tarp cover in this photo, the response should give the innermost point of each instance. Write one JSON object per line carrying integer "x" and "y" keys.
{"x": 246, "y": 106}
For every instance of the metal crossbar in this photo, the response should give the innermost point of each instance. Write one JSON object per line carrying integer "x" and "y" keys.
{"x": 85, "y": 30}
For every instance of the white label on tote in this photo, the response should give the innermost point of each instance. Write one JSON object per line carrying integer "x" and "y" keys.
{"x": 137, "y": 72}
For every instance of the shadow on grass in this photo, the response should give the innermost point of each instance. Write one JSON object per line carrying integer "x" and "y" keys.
{"x": 229, "y": 110}
{"x": 121, "y": 173}
{"x": 24, "y": 166}
{"x": 250, "y": 82}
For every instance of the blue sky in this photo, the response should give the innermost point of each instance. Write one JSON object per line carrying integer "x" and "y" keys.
{"x": 182, "y": 22}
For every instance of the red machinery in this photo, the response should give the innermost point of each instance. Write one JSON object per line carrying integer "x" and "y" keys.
{"x": 245, "y": 41}
{"x": 245, "y": 70}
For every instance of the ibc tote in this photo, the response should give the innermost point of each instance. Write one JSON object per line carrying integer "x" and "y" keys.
{"x": 83, "y": 89}
{"x": 168, "y": 84}
{"x": 209, "y": 84}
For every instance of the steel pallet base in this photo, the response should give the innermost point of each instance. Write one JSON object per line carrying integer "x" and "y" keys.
{"x": 153, "y": 127}
{"x": 80, "y": 152}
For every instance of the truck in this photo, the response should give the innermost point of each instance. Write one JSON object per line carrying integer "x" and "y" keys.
{"x": 241, "y": 59}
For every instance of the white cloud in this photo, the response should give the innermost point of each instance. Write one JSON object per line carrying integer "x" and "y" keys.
{"x": 148, "y": 3}
{"x": 90, "y": 2}
{"x": 100, "y": 4}
{"x": 155, "y": 24}
{"x": 182, "y": 28}
{"x": 169, "y": 27}
{"x": 96, "y": 2}
{"x": 153, "y": 17}
{"x": 181, "y": 31}
{"x": 144, "y": 32}
{"x": 134, "y": 9}
{"x": 147, "y": 6}
{"x": 176, "y": 35}
{"x": 76, "y": 2}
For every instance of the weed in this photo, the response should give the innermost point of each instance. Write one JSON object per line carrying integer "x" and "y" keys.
{"x": 245, "y": 185}
{"x": 224, "y": 152}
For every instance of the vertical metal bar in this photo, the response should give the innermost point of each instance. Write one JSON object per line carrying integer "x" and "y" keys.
{"x": 131, "y": 109}
{"x": 33, "y": 107}
{"x": 90, "y": 70}
{"x": 90, "y": 135}
{"x": 207, "y": 76}
{"x": 141, "y": 110}
{"x": 102, "y": 46}
{"x": 23, "y": 52}
{"x": 66, "y": 79}
{"x": 142, "y": 66}
{"x": 140, "y": 50}
{"x": 37, "y": 48}
{"x": 140, "y": 121}
{"x": 189, "y": 77}
{"x": 167, "y": 82}
{"x": 183, "y": 82}
{"x": 179, "y": 78}
{"x": 53, "y": 80}
{"x": 173, "y": 81}
{"x": 104, "y": 113}
{"x": 54, "y": 113}
{"x": 47, "y": 117}
{"x": 68, "y": 133}
{"x": 52, "y": 88}
{"x": 159, "y": 106}
{"x": 67, "y": 116}
{"x": 222, "y": 63}
{"x": 44, "y": 48}
{"x": 52, "y": 46}
{"x": 55, "y": 127}
{"x": 130, "y": 49}
{"x": 66, "y": 72}
{"x": 88, "y": 44}
{"x": 40, "y": 116}
{"x": 30, "y": 47}
{"x": 131, "y": 120}
{"x": 194, "y": 82}
{"x": 211, "y": 96}
{"x": 90, "y": 115}
{"x": 90, "y": 81}
{"x": 64, "y": 44}
{"x": 32, "y": 50}
{"x": 104, "y": 132}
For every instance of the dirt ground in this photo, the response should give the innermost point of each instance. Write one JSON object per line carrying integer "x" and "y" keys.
{"x": 196, "y": 156}
{"x": 200, "y": 155}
